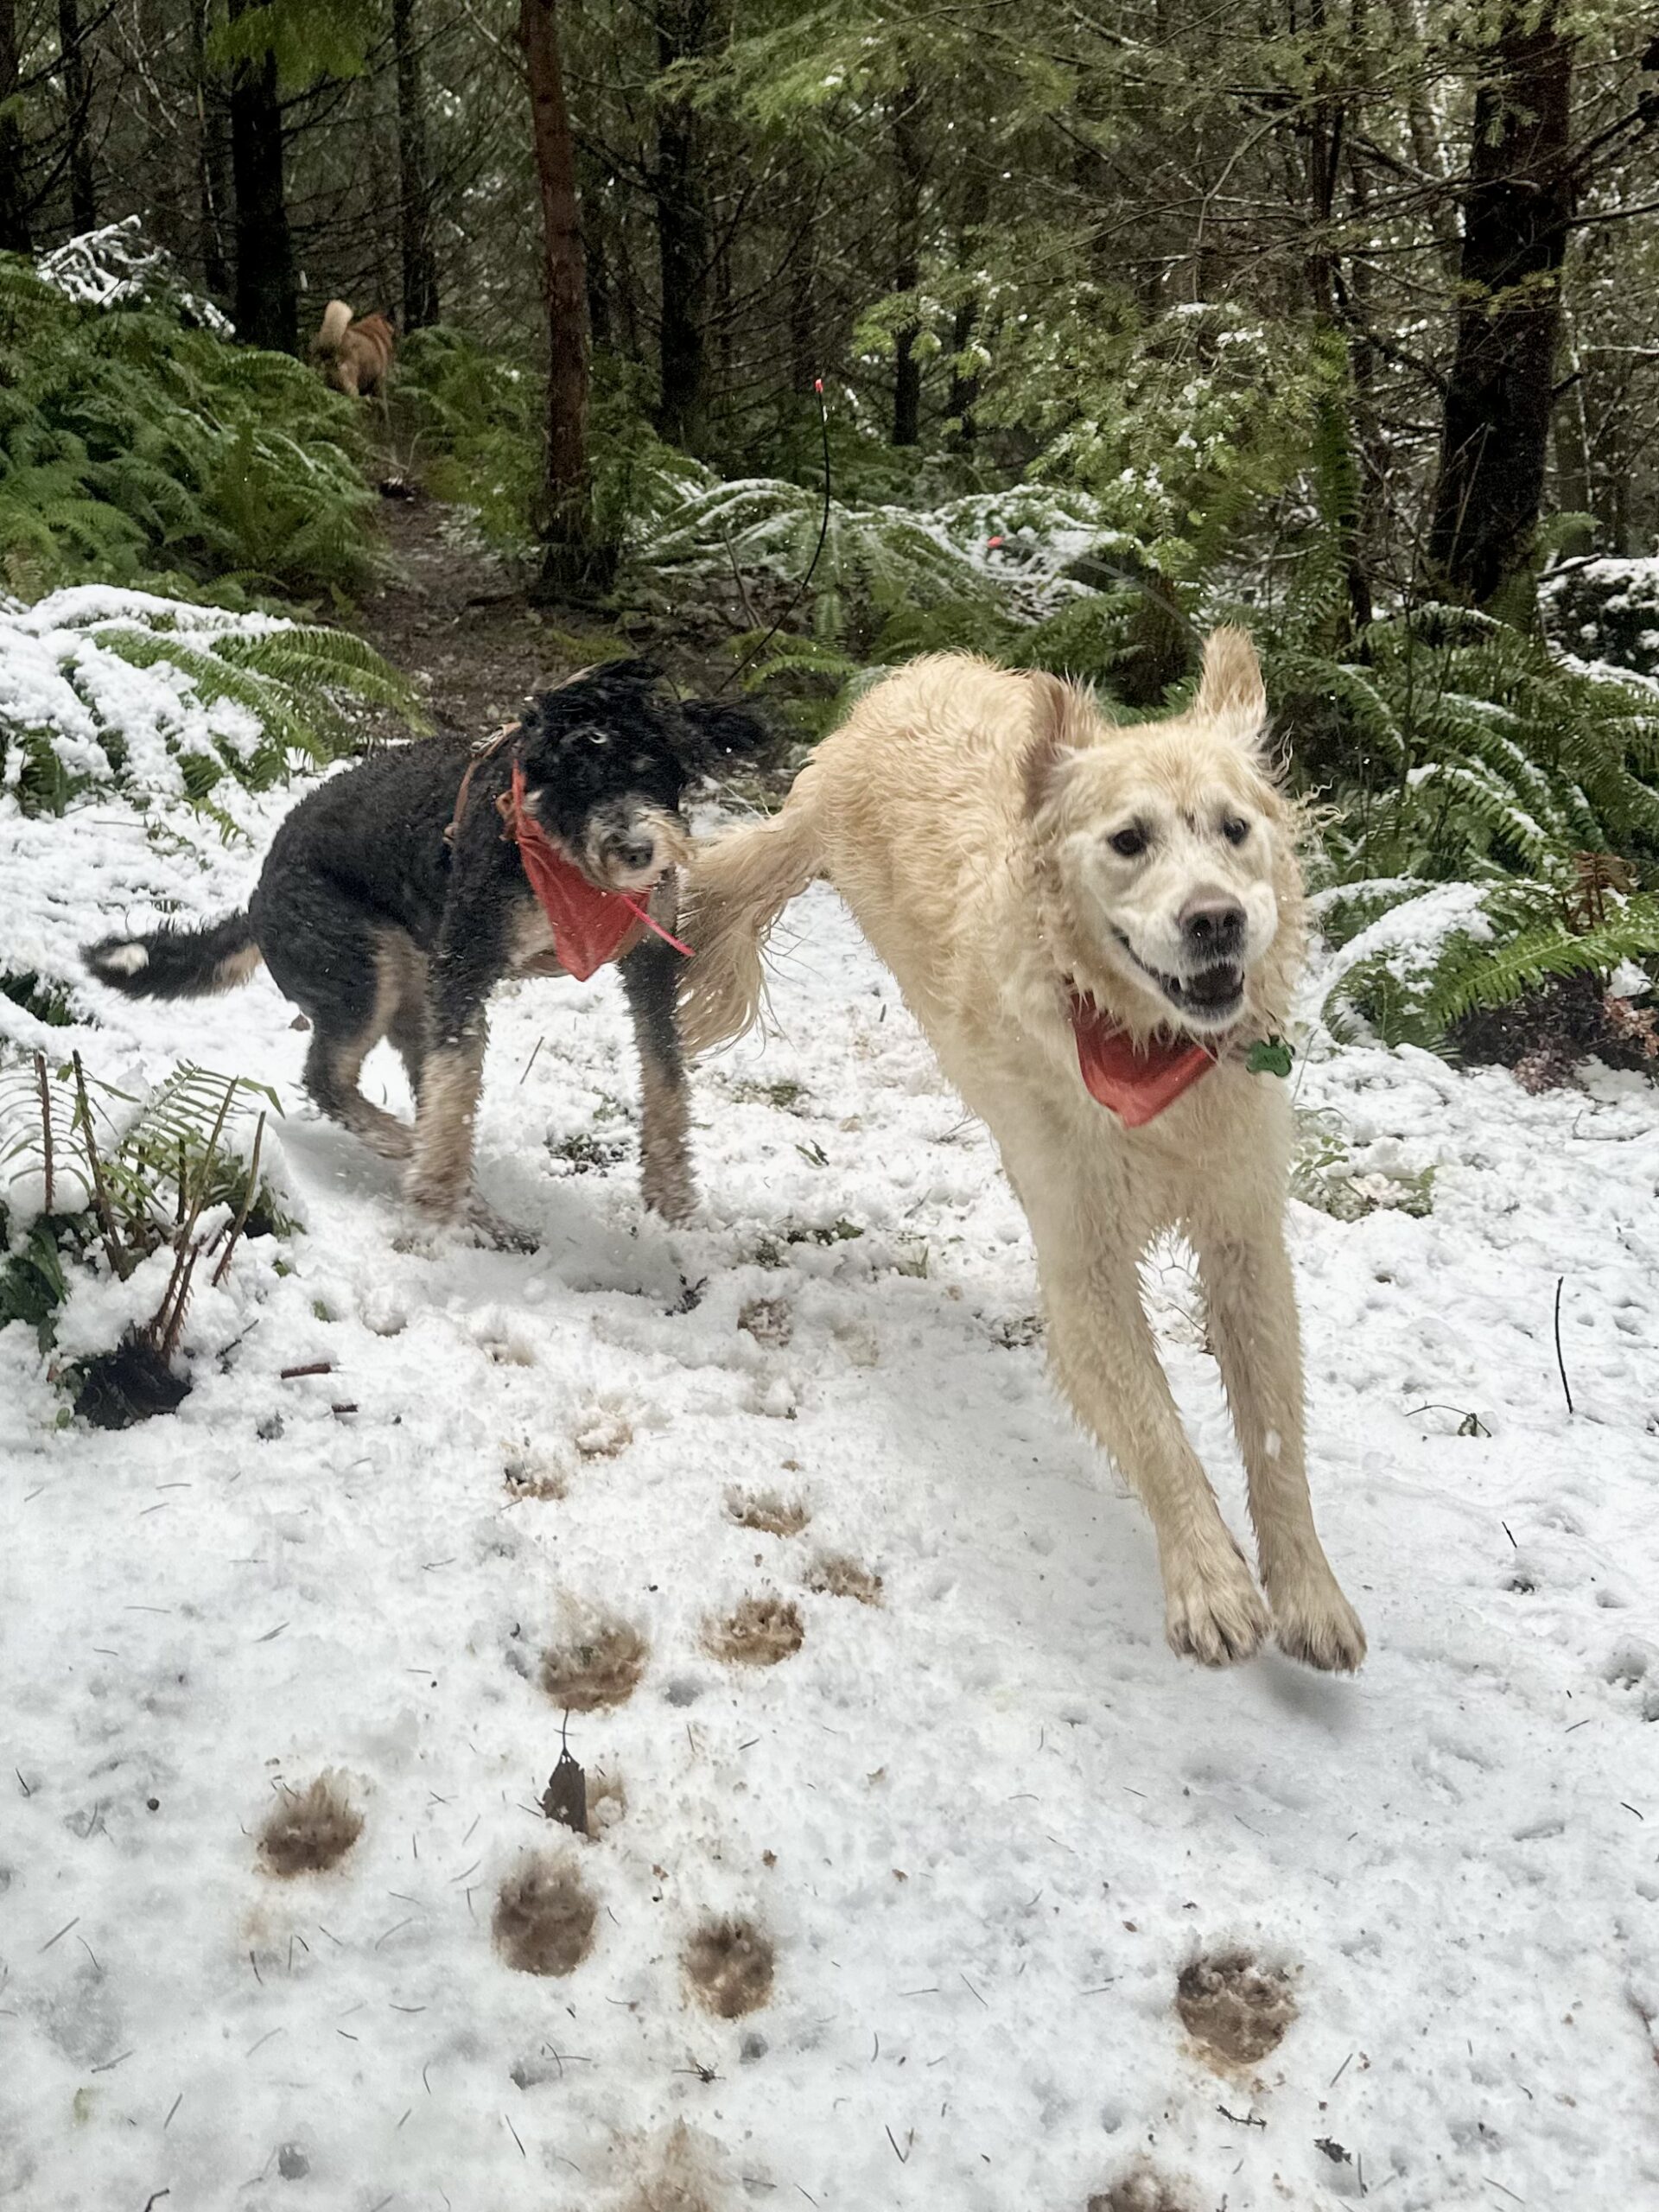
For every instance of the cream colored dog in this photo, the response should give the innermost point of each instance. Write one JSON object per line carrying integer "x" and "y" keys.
{"x": 1070, "y": 907}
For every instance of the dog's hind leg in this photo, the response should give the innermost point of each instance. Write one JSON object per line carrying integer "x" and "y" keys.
{"x": 346, "y": 1028}
{"x": 1106, "y": 1362}
{"x": 1251, "y": 1298}
{"x": 469, "y": 957}
{"x": 651, "y": 979}
{"x": 332, "y": 1069}
{"x": 406, "y": 1031}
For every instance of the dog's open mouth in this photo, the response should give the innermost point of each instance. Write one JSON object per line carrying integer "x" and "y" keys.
{"x": 1215, "y": 993}
{"x": 1208, "y": 998}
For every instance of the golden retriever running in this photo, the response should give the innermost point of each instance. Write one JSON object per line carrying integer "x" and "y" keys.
{"x": 1071, "y": 908}
{"x": 354, "y": 357}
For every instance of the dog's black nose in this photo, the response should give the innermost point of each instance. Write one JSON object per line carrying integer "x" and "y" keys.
{"x": 637, "y": 852}
{"x": 1212, "y": 926}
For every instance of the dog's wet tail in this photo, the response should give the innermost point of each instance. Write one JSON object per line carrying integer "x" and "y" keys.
{"x": 336, "y": 321}
{"x": 174, "y": 963}
{"x": 736, "y": 889}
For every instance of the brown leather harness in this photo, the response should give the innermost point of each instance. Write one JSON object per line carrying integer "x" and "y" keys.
{"x": 480, "y": 754}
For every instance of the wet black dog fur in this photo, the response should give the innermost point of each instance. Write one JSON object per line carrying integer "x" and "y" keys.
{"x": 375, "y": 926}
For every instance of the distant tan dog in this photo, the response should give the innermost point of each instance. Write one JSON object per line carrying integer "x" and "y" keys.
{"x": 354, "y": 357}
{"x": 1093, "y": 925}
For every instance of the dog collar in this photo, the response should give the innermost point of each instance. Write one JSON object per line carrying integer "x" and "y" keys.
{"x": 1137, "y": 1082}
{"x": 590, "y": 926}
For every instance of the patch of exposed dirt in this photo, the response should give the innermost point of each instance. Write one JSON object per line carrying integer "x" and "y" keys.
{"x": 769, "y": 1511}
{"x": 1235, "y": 2009}
{"x": 308, "y": 1830}
{"x": 457, "y": 619}
{"x": 758, "y": 1632}
{"x": 728, "y": 1966}
{"x": 600, "y": 1665}
{"x": 833, "y": 1574}
{"x": 543, "y": 1918}
{"x": 466, "y": 625}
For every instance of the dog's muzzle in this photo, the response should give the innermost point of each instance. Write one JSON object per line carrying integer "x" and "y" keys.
{"x": 1207, "y": 996}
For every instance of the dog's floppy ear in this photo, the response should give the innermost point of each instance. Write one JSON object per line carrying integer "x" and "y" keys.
{"x": 1062, "y": 723}
{"x": 1231, "y": 690}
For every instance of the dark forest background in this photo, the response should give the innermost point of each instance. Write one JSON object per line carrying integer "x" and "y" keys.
{"x": 1343, "y": 314}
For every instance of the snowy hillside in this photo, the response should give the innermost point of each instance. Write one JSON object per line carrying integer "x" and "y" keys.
{"x": 1027, "y": 1916}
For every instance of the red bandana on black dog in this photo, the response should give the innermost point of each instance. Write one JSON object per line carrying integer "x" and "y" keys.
{"x": 590, "y": 926}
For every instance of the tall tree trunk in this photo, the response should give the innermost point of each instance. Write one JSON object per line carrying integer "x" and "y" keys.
{"x": 907, "y": 271}
{"x": 1369, "y": 444}
{"x": 1516, "y": 212}
{"x": 13, "y": 207}
{"x": 77, "y": 96}
{"x": 686, "y": 29}
{"x": 213, "y": 155}
{"x": 573, "y": 563}
{"x": 267, "y": 290}
{"x": 414, "y": 194}
{"x": 163, "y": 182}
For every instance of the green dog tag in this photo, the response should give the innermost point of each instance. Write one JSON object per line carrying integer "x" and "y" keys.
{"x": 1270, "y": 1055}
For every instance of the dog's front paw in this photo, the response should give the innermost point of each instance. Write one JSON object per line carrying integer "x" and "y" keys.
{"x": 673, "y": 1196}
{"x": 496, "y": 1230}
{"x": 438, "y": 1193}
{"x": 1214, "y": 1612}
{"x": 1314, "y": 1623}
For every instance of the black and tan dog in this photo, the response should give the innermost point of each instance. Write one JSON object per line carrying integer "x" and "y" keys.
{"x": 393, "y": 899}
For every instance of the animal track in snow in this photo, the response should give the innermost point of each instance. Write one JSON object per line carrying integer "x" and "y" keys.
{"x": 600, "y": 1665}
{"x": 772, "y": 1512}
{"x": 833, "y": 1574}
{"x": 729, "y": 1965}
{"x": 543, "y": 1918}
{"x": 1233, "y": 2008}
{"x": 532, "y": 1478}
{"x": 308, "y": 1830}
{"x": 768, "y": 1320}
{"x": 1141, "y": 2190}
{"x": 758, "y": 1632}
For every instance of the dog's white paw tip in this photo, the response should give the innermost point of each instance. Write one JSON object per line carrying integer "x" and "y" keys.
{"x": 1329, "y": 1637}
{"x": 1218, "y": 1627}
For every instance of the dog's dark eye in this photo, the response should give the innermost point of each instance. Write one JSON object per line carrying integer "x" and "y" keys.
{"x": 1235, "y": 830}
{"x": 597, "y": 737}
{"x": 1130, "y": 843}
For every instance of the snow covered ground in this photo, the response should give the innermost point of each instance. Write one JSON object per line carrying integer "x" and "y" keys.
{"x": 982, "y": 1824}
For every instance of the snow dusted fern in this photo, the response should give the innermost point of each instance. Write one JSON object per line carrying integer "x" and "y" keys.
{"x": 161, "y": 699}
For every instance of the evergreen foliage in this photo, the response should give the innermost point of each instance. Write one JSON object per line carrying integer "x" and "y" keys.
{"x": 158, "y": 700}
{"x": 134, "y": 450}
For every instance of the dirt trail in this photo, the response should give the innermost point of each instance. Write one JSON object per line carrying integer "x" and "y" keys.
{"x": 458, "y": 619}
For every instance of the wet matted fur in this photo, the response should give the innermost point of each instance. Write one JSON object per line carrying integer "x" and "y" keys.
{"x": 375, "y": 927}
{"x": 1002, "y": 847}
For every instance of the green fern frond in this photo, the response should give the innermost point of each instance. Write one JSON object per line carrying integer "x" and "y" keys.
{"x": 1485, "y": 978}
